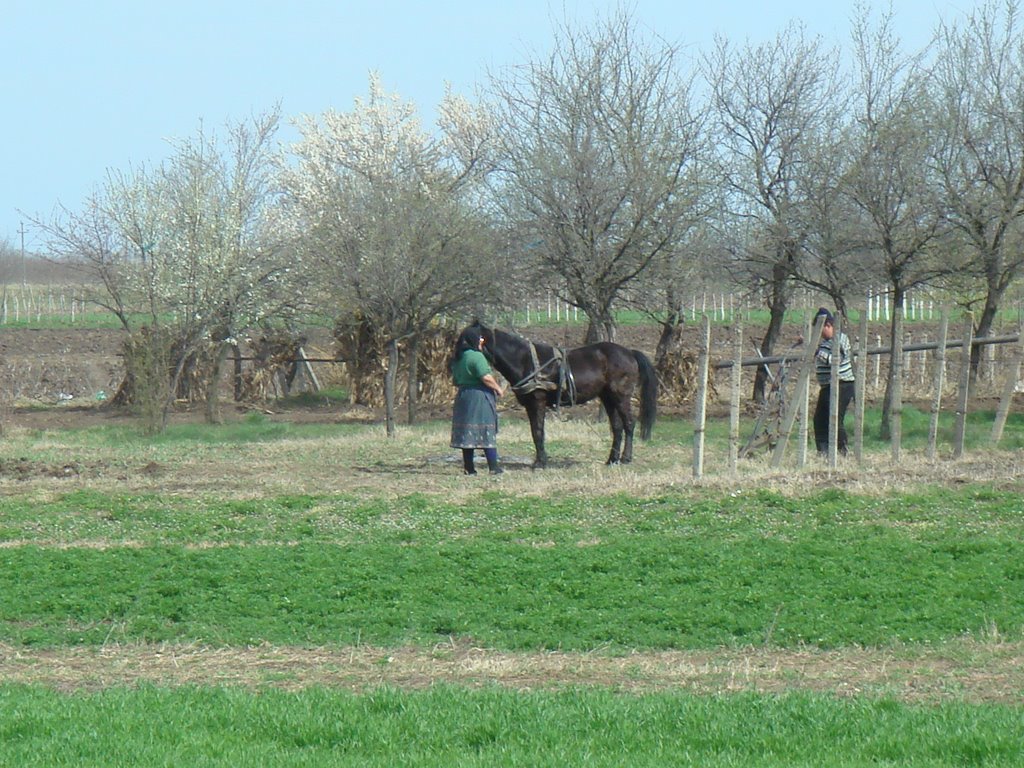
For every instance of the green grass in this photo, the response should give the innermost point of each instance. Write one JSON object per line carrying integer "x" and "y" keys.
{"x": 255, "y": 427}
{"x": 682, "y": 571}
{"x": 688, "y": 567}
{"x": 444, "y": 726}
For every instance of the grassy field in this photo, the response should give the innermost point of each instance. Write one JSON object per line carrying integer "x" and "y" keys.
{"x": 267, "y": 593}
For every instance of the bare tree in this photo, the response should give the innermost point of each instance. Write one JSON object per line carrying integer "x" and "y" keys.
{"x": 838, "y": 260}
{"x": 596, "y": 141}
{"x": 395, "y": 215}
{"x": 891, "y": 180}
{"x": 979, "y": 88}
{"x": 771, "y": 104}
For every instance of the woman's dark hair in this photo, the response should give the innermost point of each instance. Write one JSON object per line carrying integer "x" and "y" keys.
{"x": 468, "y": 339}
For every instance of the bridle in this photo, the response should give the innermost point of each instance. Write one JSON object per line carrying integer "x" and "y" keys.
{"x": 535, "y": 379}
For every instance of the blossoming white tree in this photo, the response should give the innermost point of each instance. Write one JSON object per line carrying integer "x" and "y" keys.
{"x": 191, "y": 253}
{"x": 394, "y": 216}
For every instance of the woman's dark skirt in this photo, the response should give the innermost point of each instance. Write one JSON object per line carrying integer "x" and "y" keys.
{"x": 475, "y": 419}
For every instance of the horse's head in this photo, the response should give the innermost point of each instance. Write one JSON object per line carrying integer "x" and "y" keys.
{"x": 487, "y": 334}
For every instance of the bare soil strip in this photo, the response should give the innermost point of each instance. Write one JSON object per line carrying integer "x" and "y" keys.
{"x": 965, "y": 671}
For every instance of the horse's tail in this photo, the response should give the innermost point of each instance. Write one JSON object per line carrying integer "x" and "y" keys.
{"x": 648, "y": 394}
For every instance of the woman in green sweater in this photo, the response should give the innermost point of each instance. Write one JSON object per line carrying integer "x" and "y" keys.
{"x": 475, "y": 413}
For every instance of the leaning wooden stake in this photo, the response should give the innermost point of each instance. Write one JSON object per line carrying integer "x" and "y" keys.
{"x": 806, "y": 366}
{"x": 1009, "y": 387}
{"x": 939, "y": 382}
{"x": 306, "y": 369}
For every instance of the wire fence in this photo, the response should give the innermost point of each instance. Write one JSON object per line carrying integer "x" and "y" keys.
{"x": 939, "y": 371}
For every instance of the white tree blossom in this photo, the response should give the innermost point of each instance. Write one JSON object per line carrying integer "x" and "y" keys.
{"x": 393, "y": 215}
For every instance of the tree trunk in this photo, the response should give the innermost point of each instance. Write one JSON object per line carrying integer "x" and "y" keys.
{"x": 213, "y": 414}
{"x": 601, "y": 326}
{"x": 670, "y": 327}
{"x": 884, "y": 427}
{"x": 237, "y": 378}
{"x": 985, "y": 322}
{"x": 777, "y": 313}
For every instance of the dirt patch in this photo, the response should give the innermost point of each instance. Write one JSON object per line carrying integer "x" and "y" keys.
{"x": 24, "y": 469}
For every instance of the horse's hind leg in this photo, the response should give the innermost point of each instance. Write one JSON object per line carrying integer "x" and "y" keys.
{"x": 628, "y": 423}
{"x": 615, "y": 422}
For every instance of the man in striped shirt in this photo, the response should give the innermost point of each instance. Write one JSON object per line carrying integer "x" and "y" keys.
{"x": 823, "y": 370}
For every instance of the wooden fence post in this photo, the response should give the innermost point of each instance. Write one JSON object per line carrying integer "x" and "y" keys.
{"x": 940, "y": 382}
{"x": 896, "y": 377}
{"x": 700, "y": 409}
{"x": 965, "y": 385}
{"x": 833, "y": 393}
{"x": 734, "y": 399}
{"x": 859, "y": 373}
{"x": 878, "y": 362}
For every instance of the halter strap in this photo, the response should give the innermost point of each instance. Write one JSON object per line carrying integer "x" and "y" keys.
{"x": 533, "y": 380}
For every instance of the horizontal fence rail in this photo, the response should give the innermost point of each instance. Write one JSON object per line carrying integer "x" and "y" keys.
{"x": 919, "y": 347}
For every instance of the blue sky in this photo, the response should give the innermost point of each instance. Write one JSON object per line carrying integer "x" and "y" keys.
{"x": 92, "y": 86}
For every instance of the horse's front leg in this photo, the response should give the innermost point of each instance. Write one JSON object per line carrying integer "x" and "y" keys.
{"x": 536, "y": 409}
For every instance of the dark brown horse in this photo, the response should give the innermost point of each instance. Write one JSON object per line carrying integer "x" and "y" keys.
{"x": 543, "y": 377}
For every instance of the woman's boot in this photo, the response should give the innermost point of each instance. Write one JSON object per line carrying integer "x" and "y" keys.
{"x": 492, "y": 461}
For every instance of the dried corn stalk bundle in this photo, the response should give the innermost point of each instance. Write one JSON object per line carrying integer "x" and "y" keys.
{"x": 273, "y": 368}
{"x": 364, "y": 351}
{"x": 148, "y": 371}
{"x": 195, "y": 373}
{"x": 435, "y": 381}
{"x": 677, "y": 378}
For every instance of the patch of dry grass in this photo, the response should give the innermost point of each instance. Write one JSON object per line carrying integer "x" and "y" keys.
{"x": 365, "y": 462}
{"x": 966, "y": 671}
